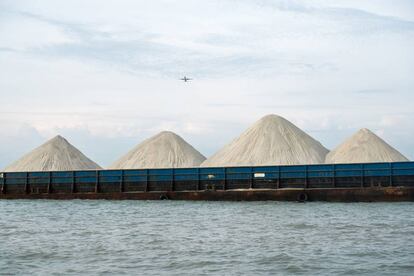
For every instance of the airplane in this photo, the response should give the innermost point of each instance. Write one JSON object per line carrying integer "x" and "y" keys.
{"x": 185, "y": 79}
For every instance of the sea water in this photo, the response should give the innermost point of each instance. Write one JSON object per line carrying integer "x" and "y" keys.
{"x": 84, "y": 237}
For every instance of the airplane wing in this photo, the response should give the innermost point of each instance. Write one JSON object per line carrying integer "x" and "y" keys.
{"x": 185, "y": 79}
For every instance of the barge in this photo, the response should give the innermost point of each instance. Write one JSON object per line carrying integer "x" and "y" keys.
{"x": 365, "y": 182}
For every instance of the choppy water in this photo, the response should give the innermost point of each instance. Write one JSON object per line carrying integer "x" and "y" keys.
{"x": 202, "y": 238}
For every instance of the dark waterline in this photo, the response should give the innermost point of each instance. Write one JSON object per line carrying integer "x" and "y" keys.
{"x": 201, "y": 238}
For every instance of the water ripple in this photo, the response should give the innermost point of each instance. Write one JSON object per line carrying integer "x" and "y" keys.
{"x": 78, "y": 237}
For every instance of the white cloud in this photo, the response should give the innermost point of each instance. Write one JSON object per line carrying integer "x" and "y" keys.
{"x": 110, "y": 72}
{"x": 19, "y": 32}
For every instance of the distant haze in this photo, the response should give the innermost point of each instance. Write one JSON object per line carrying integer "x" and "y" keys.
{"x": 105, "y": 74}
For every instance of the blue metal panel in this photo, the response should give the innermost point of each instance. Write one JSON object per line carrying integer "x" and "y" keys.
{"x": 339, "y": 167}
{"x": 186, "y": 177}
{"x": 271, "y": 176}
{"x": 135, "y": 172}
{"x": 85, "y": 179}
{"x": 136, "y": 178}
{"x": 15, "y": 180}
{"x": 215, "y": 176}
{"x": 15, "y": 174}
{"x": 293, "y": 175}
{"x": 38, "y": 174}
{"x": 349, "y": 173}
{"x": 239, "y": 176}
{"x": 321, "y": 174}
{"x": 403, "y": 172}
{"x": 376, "y": 166}
{"x": 266, "y": 169}
{"x": 160, "y": 171}
{"x": 239, "y": 170}
{"x": 39, "y": 180}
{"x": 293, "y": 168}
{"x": 62, "y": 174}
{"x": 320, "y": 168}
{"x": 212, "y": 170}
{"x": 110, "y": 179}
{"x": 185, "y": 171}
{"x": 160, "y": 178}
{"x": 403, "y": 165}
{"x": 62, "y": 180}
{"x": 111, "y": 173}
{"x": 85, "y": 173}
{"x": 377, "y": 173}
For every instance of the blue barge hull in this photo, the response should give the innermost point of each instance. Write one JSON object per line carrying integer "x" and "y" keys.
{"x": 324, "y": 182}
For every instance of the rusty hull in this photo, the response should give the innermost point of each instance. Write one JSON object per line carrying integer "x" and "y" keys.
{"x": 373, "y": 194}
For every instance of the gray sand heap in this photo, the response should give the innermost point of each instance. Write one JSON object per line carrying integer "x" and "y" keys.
{"x": 364, "y": 147}
{"x": 57, "y": 154}
{"x": 164, "y": 150}
{"x": 270, "y": 141}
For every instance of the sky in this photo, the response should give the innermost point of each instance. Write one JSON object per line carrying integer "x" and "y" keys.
{"x": 105, "y": 74}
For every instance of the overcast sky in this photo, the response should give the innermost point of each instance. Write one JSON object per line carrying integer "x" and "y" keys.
{"x": 105, "y": 74}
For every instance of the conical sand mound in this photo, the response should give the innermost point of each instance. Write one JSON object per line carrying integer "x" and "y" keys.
{"x": 364, "y": 147}
{"x": 54, "y": 155}
{"x": 164, "y": 150}
{"x": 270, "y": 141}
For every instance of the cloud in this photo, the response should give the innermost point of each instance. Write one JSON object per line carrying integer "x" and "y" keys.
{"x": 290, "y": 36}
{"x": 15, "y": 37}
{"x": 372, "y": 91}
{"x": 109, "y": 73}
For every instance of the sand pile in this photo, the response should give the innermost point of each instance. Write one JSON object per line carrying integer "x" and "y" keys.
{"x": 54, "y": 155}
{"x": 164, "y": 150}
{"x": 270, "y": 141}
{"x": 364, "y": 147}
